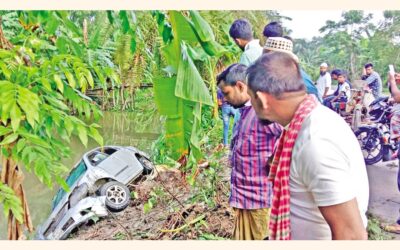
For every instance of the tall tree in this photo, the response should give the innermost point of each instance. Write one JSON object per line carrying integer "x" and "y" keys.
{"x": 42, "y": 79}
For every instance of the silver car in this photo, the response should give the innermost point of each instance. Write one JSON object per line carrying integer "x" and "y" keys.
{"x": 98, "y": 184}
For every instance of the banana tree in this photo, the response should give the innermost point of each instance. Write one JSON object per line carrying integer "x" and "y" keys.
{"x": 41, "y": 107}
{"x": 180, "y": 95}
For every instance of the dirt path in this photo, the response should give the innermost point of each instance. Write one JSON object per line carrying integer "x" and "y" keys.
{"x": 384, "y": 201}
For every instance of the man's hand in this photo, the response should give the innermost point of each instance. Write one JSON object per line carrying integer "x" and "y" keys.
{"x": 325, "y": 93}
{"x": 219, "y": 103}
{"x": 345, "y": 221}
{"x": 364, "y": 72}
{"x": 394, "y": 79}
{"x": 391, "y": 79}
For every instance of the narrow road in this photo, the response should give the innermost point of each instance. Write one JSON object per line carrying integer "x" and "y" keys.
{"x": 384, "y": 200}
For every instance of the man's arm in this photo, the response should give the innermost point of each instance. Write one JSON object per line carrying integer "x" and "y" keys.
{"x": 326, "y": 92}
{"x": 325, "y": 172}
{"x": 345, "y": 221}
{"x": 328, "y": 85}
{"x": 337, "y": 97}
{"x": 393, "y": 88}
{"x": 370, "y": 79}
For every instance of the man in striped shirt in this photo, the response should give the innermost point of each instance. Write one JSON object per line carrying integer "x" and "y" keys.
{"x": 252, "y": 145}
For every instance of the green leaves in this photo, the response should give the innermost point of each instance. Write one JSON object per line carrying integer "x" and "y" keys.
{"x": 201, "y": 27}
{"x": 124, "y": 20}
{"x": 52, "y": 24}
{"x": 94, "y": 133}
{"x": 9, "y": 139}
{"x": 164, "y": 28}
{"x": 15, "y": 116}
{"x": 205, "y": 35}
{"x": 12, "y": 95}
{"x": 126, "y": 27}
{"x": 62, "y": 45}
{"x": 172, "y": 107}
{"x": 82, "y": 133}
{"x": 41, "y": 108}
{"x": 189, "y": 84}
{"x": 10, "y": 202}
{"x": 59, "y": 83}
{"x": 181, "y": 28}
{"x": 6, "y": 72}
{"x": 4, "y": 130}
{"x": 149, "y": 205}
{"x": 213, "y": 48}
{"x": 42, "y": 171}
{"x": 180, "y": 99}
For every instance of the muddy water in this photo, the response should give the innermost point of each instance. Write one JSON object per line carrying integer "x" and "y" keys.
{"x": 117, "y": 129}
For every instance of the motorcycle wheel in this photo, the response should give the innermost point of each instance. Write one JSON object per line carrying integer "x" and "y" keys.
{"x": 370, "y": 144}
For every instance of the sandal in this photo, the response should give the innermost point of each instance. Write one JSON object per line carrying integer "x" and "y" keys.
{"x": 395, "y": 228}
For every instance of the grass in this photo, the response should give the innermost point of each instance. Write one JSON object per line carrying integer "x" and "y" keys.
{"x": 375, "y": 232}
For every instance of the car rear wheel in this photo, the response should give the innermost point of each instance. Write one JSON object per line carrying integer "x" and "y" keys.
{"x": 148, "y": 166}
{"x": 117, "y": 195}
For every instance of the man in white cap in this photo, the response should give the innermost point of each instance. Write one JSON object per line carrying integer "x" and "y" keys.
{"x": 324, "y": 81}
{"x": 285, "y": 45}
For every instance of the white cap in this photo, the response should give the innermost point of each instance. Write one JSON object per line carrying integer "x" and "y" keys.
{"x": 282, "y": 45}
{"x": 325, "y": 65}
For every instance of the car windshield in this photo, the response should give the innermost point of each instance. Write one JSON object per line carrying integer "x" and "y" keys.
{"x": 74, "y": 176}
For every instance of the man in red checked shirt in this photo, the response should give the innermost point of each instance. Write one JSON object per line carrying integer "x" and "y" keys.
{"x": 252, "y": 145}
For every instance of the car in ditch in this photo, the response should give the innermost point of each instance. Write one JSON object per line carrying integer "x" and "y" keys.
{"x": 97, "y": 185}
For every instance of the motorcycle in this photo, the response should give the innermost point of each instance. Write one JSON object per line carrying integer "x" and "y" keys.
{"x": 374, "y": 138}
{"x": 355, "y": 109}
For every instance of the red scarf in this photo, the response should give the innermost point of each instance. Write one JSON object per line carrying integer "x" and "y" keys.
{"x": 280, "y": 213}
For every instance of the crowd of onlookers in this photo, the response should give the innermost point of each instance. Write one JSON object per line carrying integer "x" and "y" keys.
{"x": 297, "y": 168}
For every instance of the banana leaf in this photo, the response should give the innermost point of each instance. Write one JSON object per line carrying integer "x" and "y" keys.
{"x": 178, "y": 116}
{"x": 201, "y": 27}
{"x": 213, "y": 48}
{"x": 180, "y": 98}
{"x": 181, "y": 28}
{"x": 189, "y": 84}
{"x": 197, "y": 53}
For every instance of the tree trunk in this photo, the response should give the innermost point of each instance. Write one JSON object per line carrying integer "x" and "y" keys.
{"x": 4, "y": 43}
{"x": 85, "y": 32}
{"x": 12, "y": 176}
{"x": 213, "y": 86}
{"x": 352, "y": 65}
